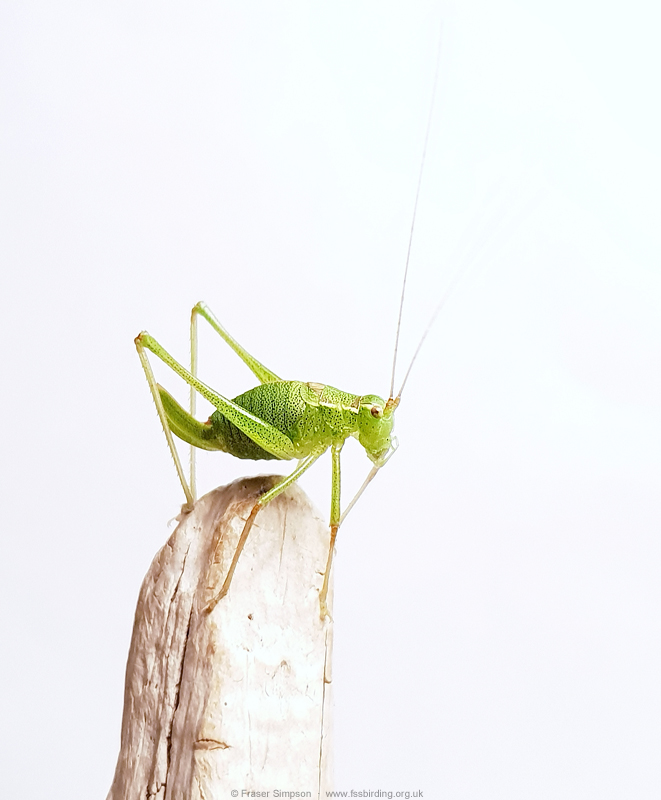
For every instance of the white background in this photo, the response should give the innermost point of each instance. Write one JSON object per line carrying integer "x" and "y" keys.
{"x": 498, "y": 590}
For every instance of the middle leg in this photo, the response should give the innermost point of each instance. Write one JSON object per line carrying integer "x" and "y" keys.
{"x": 335, "y": 520}
{"x": 279, "y": 488}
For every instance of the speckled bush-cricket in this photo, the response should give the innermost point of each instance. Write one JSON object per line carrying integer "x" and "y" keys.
{"x": 281, "y": 419}
{"x": 277, "y": 419}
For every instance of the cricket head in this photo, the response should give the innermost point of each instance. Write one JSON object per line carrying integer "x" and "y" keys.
{"x": 375, "y": 422}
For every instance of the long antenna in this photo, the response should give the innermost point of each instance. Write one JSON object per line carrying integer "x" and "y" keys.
{"x": 415, "y": 210}
{"x": 467, "y": 261}
{"x": 437, "y": 310}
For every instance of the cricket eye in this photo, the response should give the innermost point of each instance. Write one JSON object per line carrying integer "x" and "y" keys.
{"x": 375, "y": 411}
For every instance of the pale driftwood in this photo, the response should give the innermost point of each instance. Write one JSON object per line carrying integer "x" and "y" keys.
{"x": 238, "y": 698}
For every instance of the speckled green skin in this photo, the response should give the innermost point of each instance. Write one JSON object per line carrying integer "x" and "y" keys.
{"x": 311, "y": 415}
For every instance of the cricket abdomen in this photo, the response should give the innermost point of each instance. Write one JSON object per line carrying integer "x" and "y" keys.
{"x": 311, "y": 415}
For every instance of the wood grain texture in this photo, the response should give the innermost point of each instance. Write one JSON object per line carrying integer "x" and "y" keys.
{"x": 238, "y": 698}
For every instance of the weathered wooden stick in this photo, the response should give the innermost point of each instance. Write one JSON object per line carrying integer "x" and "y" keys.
{"x": 239, "y": 698}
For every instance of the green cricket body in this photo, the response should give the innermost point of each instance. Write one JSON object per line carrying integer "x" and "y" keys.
{"x": 277, "y": 419}
{"x": 312, "y": 416}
